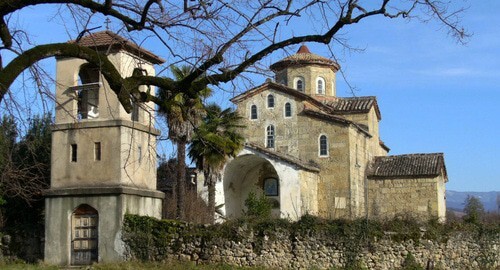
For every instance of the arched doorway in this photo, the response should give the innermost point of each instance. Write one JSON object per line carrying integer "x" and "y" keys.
{"x": 84, "y": 235}
{"x": 250, "y": 173}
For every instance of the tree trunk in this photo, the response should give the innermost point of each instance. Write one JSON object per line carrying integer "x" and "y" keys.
{"x": 211, "y": 198}
{"x": 181, "y": 179}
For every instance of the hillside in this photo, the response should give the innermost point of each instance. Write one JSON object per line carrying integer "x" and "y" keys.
{"x": 455, "y": 199}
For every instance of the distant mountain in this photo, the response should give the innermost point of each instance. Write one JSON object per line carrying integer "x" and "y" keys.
{"x": 455, "y": 199}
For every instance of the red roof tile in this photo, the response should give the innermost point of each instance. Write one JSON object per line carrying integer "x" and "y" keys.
{"x": 354, "y": 105}
{"x": 304, "y": 57}
{"x": 109, "y": 41}
{"x": 408, "y": 166}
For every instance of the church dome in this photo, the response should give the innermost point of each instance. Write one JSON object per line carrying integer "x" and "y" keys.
{"x": 304, "y": 57}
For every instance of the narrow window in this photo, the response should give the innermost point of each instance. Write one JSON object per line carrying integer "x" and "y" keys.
{"x": 253, "y": 112}
{"x": 288, "y": 109}
{"x": 320, "y": 86}
{"x": 323, "y": 146}
{"x": 270, "y": 136}
{"x": 97, "y": 151}
{"x": 139, "y": 153}
{"x": 74, "y": 154}
{"x": 300, "y": 85}
{"x": 270, "y": 101}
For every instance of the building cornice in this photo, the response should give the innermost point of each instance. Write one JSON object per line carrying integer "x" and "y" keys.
{"x": 99, "y": 191}
{"x": 84, "y": 124}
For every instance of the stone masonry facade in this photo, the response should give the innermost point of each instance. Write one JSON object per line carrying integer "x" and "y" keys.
{"x": 298, "y": 120}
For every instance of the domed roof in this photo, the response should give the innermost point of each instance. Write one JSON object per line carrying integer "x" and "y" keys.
{"x": 304, "y": 57}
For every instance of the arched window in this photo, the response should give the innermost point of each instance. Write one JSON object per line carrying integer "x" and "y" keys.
{"x": 320, "y": 86}
{"x": 253, "y": 112}
{"x": 270, "y": 136}
{"x": 299, "y": 83}
{"x": 323, "y": 146}
{"x": 84, "y": 236}
{"x": 288, "y": 109}
{"x": 88, "y": 92}
{"x": 270, "y": 101}
{"x": 271, "y": 186}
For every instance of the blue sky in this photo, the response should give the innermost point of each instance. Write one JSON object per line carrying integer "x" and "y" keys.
{"x": 434, "y": 95}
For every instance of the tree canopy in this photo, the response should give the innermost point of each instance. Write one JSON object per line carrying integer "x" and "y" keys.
{"x": 473, "y": 209}
{"x": 219, "y": 39}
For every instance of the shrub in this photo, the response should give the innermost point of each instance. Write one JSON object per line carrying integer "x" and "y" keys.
{"x": 410, "y": 263}
{"x": 258, "y": 207}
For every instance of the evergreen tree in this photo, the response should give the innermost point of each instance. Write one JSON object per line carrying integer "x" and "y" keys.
{"x": 473, "y": 209}
{"x": 25, "y": 172}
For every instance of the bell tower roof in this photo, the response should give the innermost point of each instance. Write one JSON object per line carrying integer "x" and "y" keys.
{"x": 110, "y": 41}
{"x": 303, "y": 49}
{"x": 304, "y": 57}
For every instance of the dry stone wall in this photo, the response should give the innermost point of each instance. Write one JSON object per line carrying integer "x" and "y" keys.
{"x": 273, "y": 246}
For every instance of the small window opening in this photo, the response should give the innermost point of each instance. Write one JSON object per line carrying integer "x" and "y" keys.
{"x": 323, "y": 146}
{"x": 139, "y": 153}
{"x": 270, "y": 101}
{"x": 253, "y": 112}
{"x": 288, "y": 109}
{"x": 300, "y": 85}
{"x": 74, "y": 152}
{"x": 97, "y": 151}
{"x": 320, "y": 87}
{"x": 270, "y": 136}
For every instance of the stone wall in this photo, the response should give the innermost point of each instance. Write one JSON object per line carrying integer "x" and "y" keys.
{"x": 278, "y": 246}
{"x": 420, "y": 196}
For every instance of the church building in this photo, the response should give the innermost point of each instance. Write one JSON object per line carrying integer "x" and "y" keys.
{"x": 312, "y": 152}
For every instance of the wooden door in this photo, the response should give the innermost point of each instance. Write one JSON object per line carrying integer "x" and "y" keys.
{"x": 84, "y": 238}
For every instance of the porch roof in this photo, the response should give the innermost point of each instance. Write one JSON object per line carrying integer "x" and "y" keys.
{"x": 283, "y": 157}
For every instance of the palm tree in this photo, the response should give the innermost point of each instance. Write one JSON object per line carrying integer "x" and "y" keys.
{"x": 215, "y": 141}
{"x": 183, "y": 113}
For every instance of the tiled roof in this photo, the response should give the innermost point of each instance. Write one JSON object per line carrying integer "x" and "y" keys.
{"x": 354, "y": 105}
{"x": 304, "y": 57}
{"x": 408, "y": 166}
{"x": 381, "y": 143}
{"x": 107, "y": 40}
{"x": 277, "y": 155}
{"x": 337, "y": 119}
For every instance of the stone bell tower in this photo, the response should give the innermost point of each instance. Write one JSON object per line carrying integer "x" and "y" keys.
{"x": 103, "y": 159}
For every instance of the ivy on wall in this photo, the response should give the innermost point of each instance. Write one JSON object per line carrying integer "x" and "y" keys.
{"x": 150, "y": 239}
